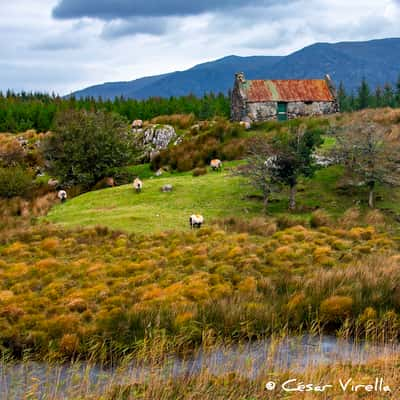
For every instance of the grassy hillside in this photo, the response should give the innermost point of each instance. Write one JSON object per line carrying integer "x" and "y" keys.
{"x": 215, "y": 195}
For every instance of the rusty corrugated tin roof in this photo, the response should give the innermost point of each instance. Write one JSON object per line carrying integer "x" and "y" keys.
{"x": 287, "y": 90}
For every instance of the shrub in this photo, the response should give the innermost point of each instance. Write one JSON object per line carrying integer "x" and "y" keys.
{"x": 199, "y": 171}
{"x": 336, "y": 308}
{"x": 320, "y": 218}
{"x": 220, "y": 140}
{"x": 47, "y": 264}
{"x": 322, "y": 255}
{"x": 11, "y": 152}
{"x": 69, "y": 344}
{"x": 50, "y": 244}
{"x": 248, "y": 285}
{"x": 6, "y": 295}
{"x": 181, "y": 121}
{"x": 255, "y": 226}
{"x": 78, "y": 305}
{"x": 15, "y": 181}
{"x": 184, "y": 164}
{"x": 350, "y": 218}
{"x": 104, "y": 183}
{"x": 234, "y": 150}
{"x": 375, "y": 218}
{"x": 362, "y": 233}
{"x": 41, "y": 205}
{"x": 369, "y": 314}
{"x": 288, "y": 221}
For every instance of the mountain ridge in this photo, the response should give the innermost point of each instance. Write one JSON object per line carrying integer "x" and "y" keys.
{"x": 378, "y": 61}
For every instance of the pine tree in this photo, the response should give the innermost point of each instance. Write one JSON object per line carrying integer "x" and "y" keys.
{"x": 388, "y": 95}
{"x": 397, "y": 99}
{"x": 364, "y": 95}
{"x": 342, "y": 97}
{"x": 378, "y": 97}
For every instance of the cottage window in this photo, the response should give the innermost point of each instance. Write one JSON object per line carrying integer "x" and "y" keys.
{"x": 308, "y": 103}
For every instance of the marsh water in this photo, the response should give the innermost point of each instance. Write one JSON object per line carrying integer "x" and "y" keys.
{"x": 48, "y": 381}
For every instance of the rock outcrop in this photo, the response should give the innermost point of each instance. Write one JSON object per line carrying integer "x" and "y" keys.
{"x": 153, "y": 138}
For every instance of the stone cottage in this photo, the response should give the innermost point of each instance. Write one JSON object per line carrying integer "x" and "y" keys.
{"x": 262, "y": 100}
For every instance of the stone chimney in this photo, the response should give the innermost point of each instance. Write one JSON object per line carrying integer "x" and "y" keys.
{"x": 239, "y": 77}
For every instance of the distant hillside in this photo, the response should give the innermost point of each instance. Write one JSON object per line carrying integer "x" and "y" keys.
{"x": 110, "y": 90}
{"x": 348, "y": 62}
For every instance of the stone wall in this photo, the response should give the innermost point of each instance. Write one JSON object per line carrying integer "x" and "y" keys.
{"x": 265, "y": 111}
{"x": 262, "y": 111}
{"x": 298, "y": 108}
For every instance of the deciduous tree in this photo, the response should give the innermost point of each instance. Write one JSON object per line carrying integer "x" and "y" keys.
{"x": 257, "y": 170}
{"x": 370, "y": 156}
{"x": 281, "y": 160}
{"x": 293, "y": 150}
{"x": 86, "y": 145}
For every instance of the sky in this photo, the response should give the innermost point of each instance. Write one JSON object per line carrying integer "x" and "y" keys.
{"x": 63, "y": 45}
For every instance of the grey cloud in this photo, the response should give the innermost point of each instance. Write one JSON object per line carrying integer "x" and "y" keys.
{"x": 134, "y": 26}
{"x": 56, "y": 44}
{"x": 121, "y": 9}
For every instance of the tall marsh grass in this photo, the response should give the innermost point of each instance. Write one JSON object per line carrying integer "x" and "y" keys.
{"x": 75, "y": 293}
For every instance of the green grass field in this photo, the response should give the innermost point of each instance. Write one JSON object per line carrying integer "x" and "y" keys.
{"x": 214, "y": 195}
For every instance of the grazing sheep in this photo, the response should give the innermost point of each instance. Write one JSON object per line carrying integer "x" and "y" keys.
{"x": 138, "y": 185}
{"x": 246, "y": 125}
{"x": 196, "y": 221}
{"x": 62, "y": 195}
{"x": 216, "y": 164}
{"x": 167, "y": 188}
{"x": 137, "y": 124}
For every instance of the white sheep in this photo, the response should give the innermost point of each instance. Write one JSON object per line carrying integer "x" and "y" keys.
{"x": 138, "y": 185}
{"x": 167, "y": 188}
{"x": 137, "y": 124}
{"x": 216, "y": 164}
{"x": 196, "y": 221}
{"x": 62, "y": 195}
{"x": 245, "y": 124}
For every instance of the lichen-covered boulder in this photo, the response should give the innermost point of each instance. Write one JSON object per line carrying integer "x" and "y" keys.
{"x": 159, "y": 136}
{"x": 153, "y": 138}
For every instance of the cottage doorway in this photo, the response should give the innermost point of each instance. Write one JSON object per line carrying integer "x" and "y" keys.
{"x": 282, "y": 112}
